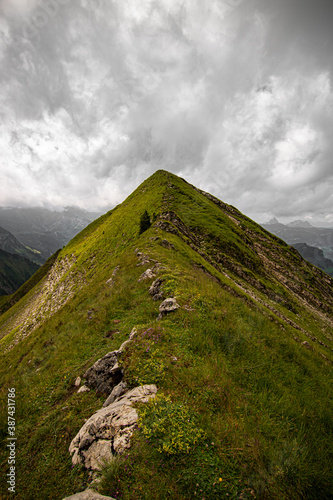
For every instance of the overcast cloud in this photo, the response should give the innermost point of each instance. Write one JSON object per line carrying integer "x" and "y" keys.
{"x": 234, "y": 95}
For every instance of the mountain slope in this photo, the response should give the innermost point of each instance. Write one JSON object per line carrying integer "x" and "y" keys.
{"x": 248, "y": 355}
{"x": 10, "y": 244}
{"x": 304, "y": 233}
{"x": 315, "y": 256}
{"x": 14, "y": 271}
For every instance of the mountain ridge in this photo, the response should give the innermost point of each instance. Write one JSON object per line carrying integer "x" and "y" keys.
{"x": 247, "y": 353}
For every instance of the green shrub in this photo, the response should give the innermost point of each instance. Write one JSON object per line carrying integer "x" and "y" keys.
{"x": 170, "y": 426}
{"x": 144, "y": 222}
{"x": 149, "y": 370}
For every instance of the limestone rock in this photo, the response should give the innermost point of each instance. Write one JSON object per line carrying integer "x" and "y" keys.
{"x": 155, "y": 289}
{"x": 77, "y": 382}
{"x": 143, "y": 259}
{"x": 131, "y": 337}
{"x": 111, "y": 281}
{"x": 122, "y": 440}
{"x": 307, "y": 345}
{"x": 98, "y": 454}
{"x": 104, "y": 374}
{"x": 147, "y": 275}
{"x": 168, "y": 306}
{"x": 84, "y": 388}
{"x": 88, "y": 495}
{"x": 167, "y": 244}
{"x": 109, "y": 430}
{"x": 117, "y": 391}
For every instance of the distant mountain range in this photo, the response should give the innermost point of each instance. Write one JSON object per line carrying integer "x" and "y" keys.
{"x": 29, "y": 236}
{"x": 42, "y": 230}
{"x": 9, "y": 243}
{"x": 315, "y": 256}
{"x": 14, "y": 271}
{"x": 298, "y": 233}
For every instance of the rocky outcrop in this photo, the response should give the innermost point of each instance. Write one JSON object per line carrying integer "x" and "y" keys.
{"x": 147, "y": 275}
{"x": 143, "y": 259}
{"x": 117, "y": 391}
{"x": 109, "y": 430}
{"x": 167, "y": 244}
{"x": 167, "y": 306}
{"x": 111, "y": 281}
{"x": 155, "y": 289}
{"x": 105, "y": 374}
{"x": 84, "y": 388}
{"x": 88, "y": 495}
{"x": 124, "y": 344}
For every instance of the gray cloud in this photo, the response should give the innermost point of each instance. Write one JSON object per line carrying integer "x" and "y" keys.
{"x": 235, "y": 96}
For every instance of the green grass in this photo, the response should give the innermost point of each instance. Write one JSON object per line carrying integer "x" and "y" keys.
{"x": 254, "y": 404}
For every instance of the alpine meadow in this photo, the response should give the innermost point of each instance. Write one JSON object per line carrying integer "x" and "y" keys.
{"x": 174, "y": 349}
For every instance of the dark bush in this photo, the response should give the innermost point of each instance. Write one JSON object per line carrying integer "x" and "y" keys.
{"x": 144, "y": 222}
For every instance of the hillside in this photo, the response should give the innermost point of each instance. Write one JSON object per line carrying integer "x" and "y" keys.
{"x": 302, "y": 232}
{"x": 315, "y": 256}
{"x": 14, "y": 271}
{"x": 10, "y": 244}
{"x": 243, "y": 367}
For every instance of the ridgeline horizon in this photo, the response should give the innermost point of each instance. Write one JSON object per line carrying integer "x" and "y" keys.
{"x": 226, "y": 327}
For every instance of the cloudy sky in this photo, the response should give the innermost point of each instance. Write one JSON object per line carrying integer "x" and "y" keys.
{"x": 236, "y": 96}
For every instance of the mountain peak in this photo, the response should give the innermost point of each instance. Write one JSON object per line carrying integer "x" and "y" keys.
{"x": 272, "y": 221}
{"x": 299, "y": 223}
{"x": 228, "y": 322}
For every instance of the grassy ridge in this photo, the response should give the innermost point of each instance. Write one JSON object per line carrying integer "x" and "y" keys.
{"x": 262, "y": 400}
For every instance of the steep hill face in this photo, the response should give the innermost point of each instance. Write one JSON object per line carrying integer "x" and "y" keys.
{"x": 242, "y": 364}
{"x": 315, "y": 256}
{"x": 295, "y": 233}
{"x": 10, "y": 244}
{"x": 14, "y": 271}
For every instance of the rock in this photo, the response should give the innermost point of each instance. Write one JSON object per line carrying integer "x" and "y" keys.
{"x": 98, "y": 454}
{"x": 111, "y": 280}
{"x": 124, "y": 344}
{"x": 167, "y": 306}
{"x": 307, "y": 345}
{"x": 155, "y": 289}
{"x": 104, "y": 374}
{"x": 110, "y": 333}
{"x": 84, "y": 388}
{"x": 109, "y": 430}
{"x": 167, "y": 244}
{"x": 122, "y": 440}
{"x": 147, "y": 275}
{"x": 143, "y": 259}
{"x": 77, "y": 382}
{"x": 117, "y": 391}
{"x": 88, "y": 495}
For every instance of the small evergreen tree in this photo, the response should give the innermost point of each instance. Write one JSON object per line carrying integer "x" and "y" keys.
{"x": 144, "y": 222}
